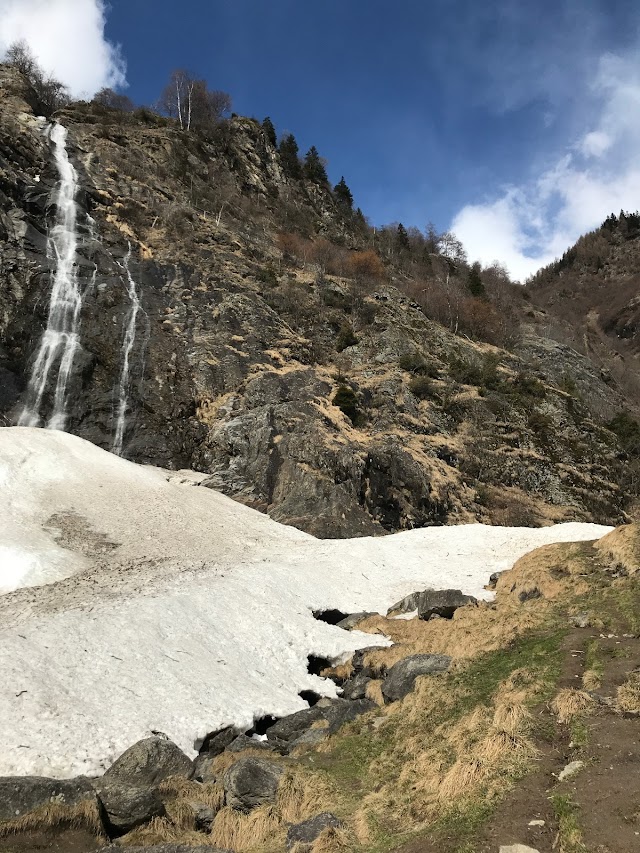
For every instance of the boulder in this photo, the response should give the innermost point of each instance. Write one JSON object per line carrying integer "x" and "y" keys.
{"x": 246, "y": 742}
{"x": 127, "y": 806}
{"x": 354, "y": 618}
{"x": 434, "y": 602}
{"x": 296, "y": 729}
{"x": 216, "y": 742}
{"x": 356, "y": 687}
{"x": 149, "y": 762}
{"x": 307, "y": 831}
{"x": 20, "y": 795}
{"x": 402, "y": 675}
{"x": 250, "y": 782}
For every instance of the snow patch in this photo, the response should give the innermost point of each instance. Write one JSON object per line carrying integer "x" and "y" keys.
{"x": 197, "y": 616}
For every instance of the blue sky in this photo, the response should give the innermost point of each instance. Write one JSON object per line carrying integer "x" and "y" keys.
{"x": 472, "y": 115}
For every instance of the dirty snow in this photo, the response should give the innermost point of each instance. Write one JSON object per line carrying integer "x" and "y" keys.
{"x": 167, "y": 606}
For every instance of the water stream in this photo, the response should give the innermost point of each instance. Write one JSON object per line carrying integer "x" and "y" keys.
{"x": 60, "y": 340}
{"x": 127, "y": 346}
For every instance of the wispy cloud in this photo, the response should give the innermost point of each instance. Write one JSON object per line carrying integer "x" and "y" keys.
{"x": 67, "y": 37}
{"x": 598, "y": 172}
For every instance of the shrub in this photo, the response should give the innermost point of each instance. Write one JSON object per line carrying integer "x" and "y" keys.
{"x": 346, "y": 400}
{"x": 414, "y": 363}
{"x": 465, "y": 371}
{"x": 346, "y": 338}
{"x": 268, "y": 275}
{"x": 364, "y": 265}
{"x": 528, "y": 386}
{"x": 421, "y": 387}
{"x": 627, "y": 429}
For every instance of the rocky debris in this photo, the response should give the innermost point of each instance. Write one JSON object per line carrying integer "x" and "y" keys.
{"x": 203, "y": 816}
{"x": 433, "y": 602}
{"x": 327, "y": 715}
{"x": 250, "y": 782}
{"x": 356, "y": 687}
{"x": 537, "y": 822}
{"x": 127, "y": 806}
{"x": 20, "y": 795}
{"x": 570, "y": 770}
{"x": 307, "y": 831}
{"x": 353, "y": 619}
{"x": 402, "y": 675}
{"x": 149, "y": 762}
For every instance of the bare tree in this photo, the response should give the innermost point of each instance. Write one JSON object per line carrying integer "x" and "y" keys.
{"x": 51, "y": 93}
{"x": 192, "y": 103}
{"x": 109, "y": 98}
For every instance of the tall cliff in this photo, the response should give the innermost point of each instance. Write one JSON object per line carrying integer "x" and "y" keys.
{"x": 314, "y": 388}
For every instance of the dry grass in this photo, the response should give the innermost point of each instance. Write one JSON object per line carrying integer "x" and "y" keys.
{"x": 301, "y": 795}
{"x": 373, "y": 691}
{"x": 570, "y": 703}
{"x": 628, "y": 698}
{"x": 592, "y": 679}
{"x": 58, "y": 816}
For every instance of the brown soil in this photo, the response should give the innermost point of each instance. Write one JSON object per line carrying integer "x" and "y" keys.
{"x": 70, "y": 841}
{"x": 606, "y": 790}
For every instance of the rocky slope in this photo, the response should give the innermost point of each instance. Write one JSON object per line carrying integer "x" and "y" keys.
{"x": 242, "y": 343}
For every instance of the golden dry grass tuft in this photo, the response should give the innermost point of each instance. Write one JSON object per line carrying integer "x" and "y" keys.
{"x": 373, "y": 691}
{"x": 628, "y": 698}
{"x": 570, "y": 703}
{"x": 58, "y": 816}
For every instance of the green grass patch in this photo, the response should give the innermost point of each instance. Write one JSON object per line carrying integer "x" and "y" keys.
{"x": 569, "y": 834}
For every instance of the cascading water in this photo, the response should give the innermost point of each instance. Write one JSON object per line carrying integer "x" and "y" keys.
{"x": 127, "y": 346}
{"x": 60, "y": 340}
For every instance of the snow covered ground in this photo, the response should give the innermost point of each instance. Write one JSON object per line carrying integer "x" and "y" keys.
{"x": 135, "y": 601}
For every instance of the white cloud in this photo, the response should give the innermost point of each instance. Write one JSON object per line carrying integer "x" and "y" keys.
{"x": 67, "y": 37}
{"x": 528, "y": 226}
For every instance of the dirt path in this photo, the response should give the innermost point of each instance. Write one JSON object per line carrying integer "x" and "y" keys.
{"x": 598, "y": 809}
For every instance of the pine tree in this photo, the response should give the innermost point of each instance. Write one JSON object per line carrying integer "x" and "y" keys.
{"x": 314, "y": 169}
{"x": 270, "y": 131}
{"x": 343, "y": 194}
{"x": 288, "y": 150}
{"x": 402, "y": 237}
{"x": 474, "y": 282}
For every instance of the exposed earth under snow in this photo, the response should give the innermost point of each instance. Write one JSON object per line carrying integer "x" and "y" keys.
{"x": 135, "y": 601}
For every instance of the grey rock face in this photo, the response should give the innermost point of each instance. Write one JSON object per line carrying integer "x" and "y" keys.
{"x": 250, "y": 782}
{"x": 149, "y": 762}
{"x": 307, "y": 831}
{"x": 245, "y": 742}
{"x": 217, "y": 742}
{"x": 20, "y": 795}
{"x": 127, "y": 806}
{"x": 402, "y": 675}
{"x": 433, "y": 602}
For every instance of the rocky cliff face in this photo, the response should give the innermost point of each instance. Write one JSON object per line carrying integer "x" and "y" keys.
{"x": 240, "y": 350}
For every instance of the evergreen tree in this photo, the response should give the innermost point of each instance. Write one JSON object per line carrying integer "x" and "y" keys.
{"x": 402, "y": 238}
{"x": 270, "y": 131}
{"x": 314, "y": 169}
{"x": 474, "y": 282}
{"x": 288, "y": 150}
{"x": 343, "y": 194}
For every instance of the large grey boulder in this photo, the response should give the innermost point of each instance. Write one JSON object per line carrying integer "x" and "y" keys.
{"x": 20, "y": 795}
{"x": 250, "y": 782}
{"x": 127, "y": 806}
{"x": 307, "y": 831}
{"x": 354, "y": 619}
{"x": 217, "y": 741}
{"x": 149, "y": 762}
{"x": 433, "y": 602}
{"x": 402, "y": 675}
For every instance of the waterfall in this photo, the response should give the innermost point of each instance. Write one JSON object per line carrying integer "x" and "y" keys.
{"x": 127, "y": 346}
{"x": 60, "y": 341}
